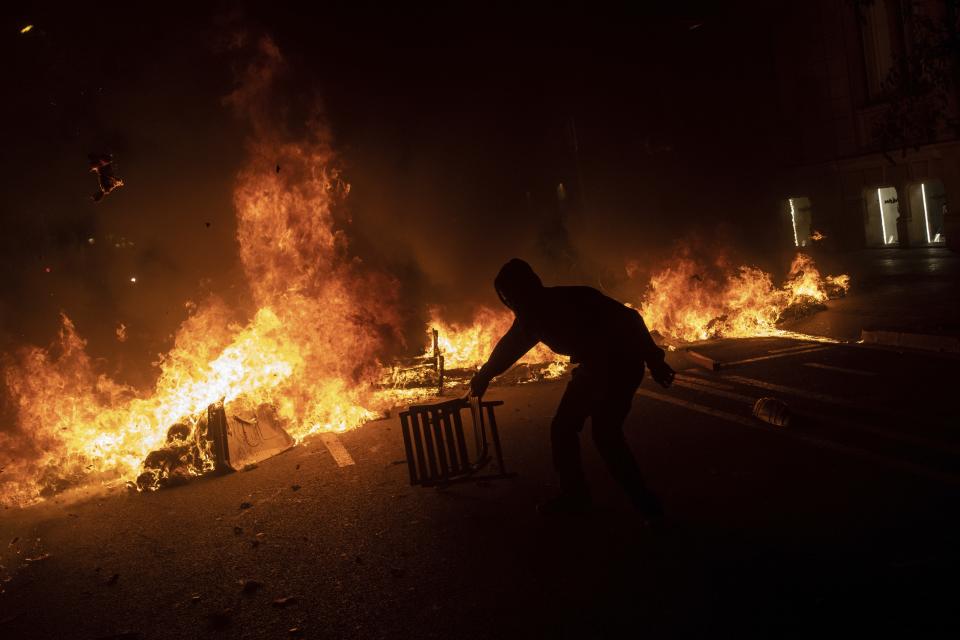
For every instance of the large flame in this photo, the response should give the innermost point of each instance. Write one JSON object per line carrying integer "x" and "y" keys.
{"x": 690, "y": 301}
{"x": 317, "y": 323}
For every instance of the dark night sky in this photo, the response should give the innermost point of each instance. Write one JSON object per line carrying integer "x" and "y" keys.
{"x": 451, "y": 124}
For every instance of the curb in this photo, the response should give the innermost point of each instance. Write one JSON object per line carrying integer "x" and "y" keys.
{"x": 924, "y": 342}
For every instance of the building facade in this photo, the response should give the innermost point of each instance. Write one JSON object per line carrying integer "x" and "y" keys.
{"x": 868, "y": 93}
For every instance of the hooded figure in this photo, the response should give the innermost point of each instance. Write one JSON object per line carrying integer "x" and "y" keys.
{"x": 610, "y": 343}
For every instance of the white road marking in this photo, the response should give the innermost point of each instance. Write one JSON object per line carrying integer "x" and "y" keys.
{"x": 816, "y": 442}
{"x": 336, "y": 448}
{"x": 709, "y": 383}
{"x": 774, "y": 356}
{"x": 828, "y": 367}
{"x": 830, "y": 420}
{"x": 934, "y": 445}
{"x": 805, "y": 345}
{"x": 721, "y": 390}
{"x": 803, "y": 393}
{"x": 688, "y": 384}
{"x": 693, "y": 406}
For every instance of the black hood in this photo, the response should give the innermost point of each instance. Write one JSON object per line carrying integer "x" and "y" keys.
{"x": 517, "y": 283}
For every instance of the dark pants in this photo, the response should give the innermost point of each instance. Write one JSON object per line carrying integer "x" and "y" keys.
{"x": 604, "y": 394}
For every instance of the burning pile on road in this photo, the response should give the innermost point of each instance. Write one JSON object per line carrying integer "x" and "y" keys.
{"x": 457, "y": 350}
{"x": 690, "y": 301}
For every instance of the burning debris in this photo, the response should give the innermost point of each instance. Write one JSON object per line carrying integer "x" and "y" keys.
{"x": 689, "y": 302}
{"x": 214, "y": 442}
{"x": 102, "y": 165}
{"x": 454, "y": 352}
{"x": 184, "y": 456}
{"x": 308, "y": 345}
{"x": 276, "y": 378}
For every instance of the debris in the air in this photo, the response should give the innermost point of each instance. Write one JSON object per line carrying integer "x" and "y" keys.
{"x": 237, "y": 531}
{"x": 121, "y": 332}
{"x": 102, "y": 165}
{"x": 27, "y": 28}
{"x": 245, "y": 505}
{"x": 295, "y": 487}
{"x": 112, "y": 580}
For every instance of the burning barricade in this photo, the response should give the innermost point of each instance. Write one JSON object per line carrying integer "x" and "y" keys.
{"x": 689, "y": 301}
{"x": 215, "y": 441}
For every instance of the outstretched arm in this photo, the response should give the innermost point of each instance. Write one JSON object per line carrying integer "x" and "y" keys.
{"x": 509, "y": 349}
{"x": 648, "y": 347}
{"x": 654, "y": 355}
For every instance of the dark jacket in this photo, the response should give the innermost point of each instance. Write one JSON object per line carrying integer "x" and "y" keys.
{"x": 579, "y": 322}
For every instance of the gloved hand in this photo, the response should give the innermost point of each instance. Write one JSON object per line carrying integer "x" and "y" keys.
{"x": 479, "y": 384}
{"x": 661, "y": 372}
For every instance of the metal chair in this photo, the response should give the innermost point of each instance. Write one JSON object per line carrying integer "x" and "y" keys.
{"x": 437, "y": 447}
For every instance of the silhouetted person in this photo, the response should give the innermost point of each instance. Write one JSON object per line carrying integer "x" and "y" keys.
{"x": 610, "y": 343}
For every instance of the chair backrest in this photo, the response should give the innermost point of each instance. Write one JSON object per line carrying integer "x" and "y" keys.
{"x": 437, "y": 445}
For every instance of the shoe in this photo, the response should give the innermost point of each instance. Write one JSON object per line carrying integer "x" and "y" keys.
{"x": 565, "y": 504}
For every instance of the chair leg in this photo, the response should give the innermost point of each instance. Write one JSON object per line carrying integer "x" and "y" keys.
{"x": 496, "y": 439}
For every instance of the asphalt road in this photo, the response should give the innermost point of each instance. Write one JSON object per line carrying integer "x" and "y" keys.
{"x": 844, "y": 522}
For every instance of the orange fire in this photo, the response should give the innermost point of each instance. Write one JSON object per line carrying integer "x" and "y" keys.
{"x": 309, "y": 348}
{"x": 467, "y": 346}
{"x": 308, "y": 343}
{"x": 690, "y": 301}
